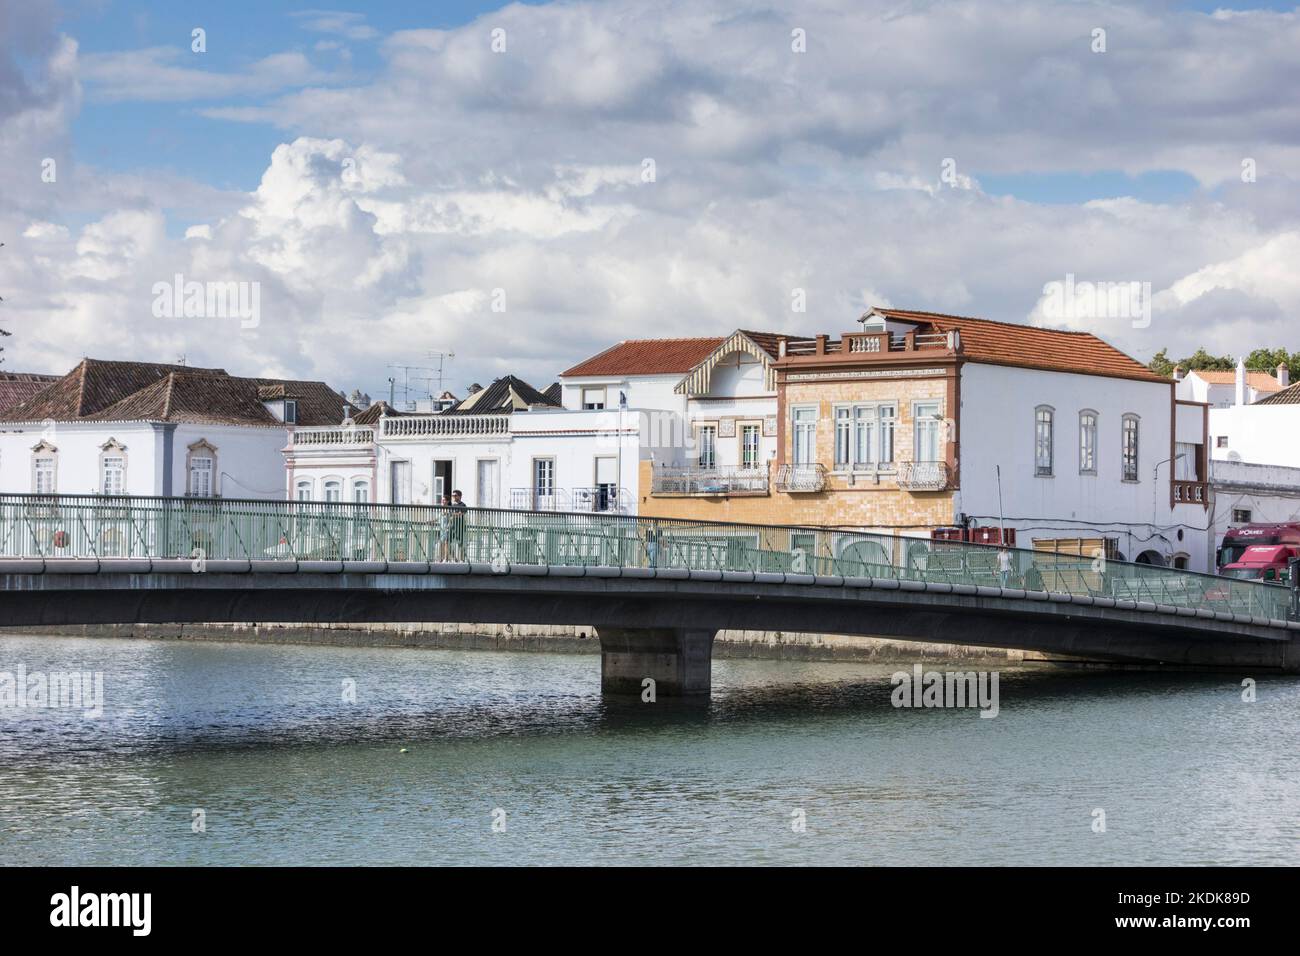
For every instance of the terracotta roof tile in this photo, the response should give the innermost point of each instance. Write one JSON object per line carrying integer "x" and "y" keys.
{"x": 18, "y": 387}
{"x": 1026, "y": 346}
{"x": 143, "y": 391}
{"x": 1260, "y": 381}
{"x": 648, "y": 357}
{"x": 1287, "y": 396}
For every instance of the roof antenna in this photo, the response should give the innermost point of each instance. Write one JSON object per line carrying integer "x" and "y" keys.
{"x": 180, "y": 360}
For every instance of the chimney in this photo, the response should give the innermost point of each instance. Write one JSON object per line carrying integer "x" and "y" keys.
{"x": 1178, "y": 373}
{"x": 1283, "y": 375}
{"x": 1241, "y": 382}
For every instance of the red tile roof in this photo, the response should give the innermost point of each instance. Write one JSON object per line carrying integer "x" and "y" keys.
{"x": 648, "y": 357}
{"x": 97, "y": 390}
{"x": 1287, "y": 396}
{"x": 18, "y": 387}
{"x": 1027, "y": 346}
{"x": 1260, "y": 381}
{"x": 663, "y": 356}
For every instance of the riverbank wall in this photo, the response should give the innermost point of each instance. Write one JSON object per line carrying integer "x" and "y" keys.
{"x": 758, "y": 645}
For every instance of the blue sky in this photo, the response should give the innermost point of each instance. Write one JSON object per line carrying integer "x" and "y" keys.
{"x": 383, "y": 173}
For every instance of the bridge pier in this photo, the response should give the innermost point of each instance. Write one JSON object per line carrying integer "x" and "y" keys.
{"x": 678, "y": 659}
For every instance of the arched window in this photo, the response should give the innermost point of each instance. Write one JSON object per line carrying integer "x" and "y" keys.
{"x": 45, "y": 469}
{"x": 1087, "y": 442}
{"x": 302, "y": 489}
{"x": 112, "y": 468}
{"x": 1129, "y": 445}
{"x": 1043, "y": 440}
{"x": 361, "y": 491}
{"x": 201, "y": 470}
{"x": 333, "y": 489}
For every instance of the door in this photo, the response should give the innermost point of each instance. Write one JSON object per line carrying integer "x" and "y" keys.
{"x": 442, "y": 485}
{"x": 606, "y": 484}
{"x": 400, "y": 472}
{"x": 489, "y": 484}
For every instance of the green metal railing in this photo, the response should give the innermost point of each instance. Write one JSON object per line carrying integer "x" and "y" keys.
{"x": 92, "y": 526}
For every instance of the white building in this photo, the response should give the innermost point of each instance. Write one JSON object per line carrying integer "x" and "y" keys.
{"x": 504, "y": 446}
{"x": 138, "y": 428}
{"x": 706, "y": 409}
{"x": 1224, "y": 389}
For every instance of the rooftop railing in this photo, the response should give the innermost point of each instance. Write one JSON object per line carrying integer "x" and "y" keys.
{"x": 444, "y": 426}
{"x": 69, "y": 526}
{"x": 334, "y": 435}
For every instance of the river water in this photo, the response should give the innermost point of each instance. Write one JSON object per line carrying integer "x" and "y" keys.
{"x": 449, "y": 757}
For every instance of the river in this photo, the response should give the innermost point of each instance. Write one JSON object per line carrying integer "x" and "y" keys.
{"x": 451, "y": 757}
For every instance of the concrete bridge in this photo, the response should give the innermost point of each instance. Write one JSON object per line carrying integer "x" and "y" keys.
{"x": 657, "y": 591}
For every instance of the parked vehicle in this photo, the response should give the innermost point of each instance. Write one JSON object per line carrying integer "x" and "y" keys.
{"x": 1263, "y": 562}
{"x": 1237, "y": 540}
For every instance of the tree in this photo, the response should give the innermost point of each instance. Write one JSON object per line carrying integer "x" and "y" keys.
{"x": 1260, "y": 360}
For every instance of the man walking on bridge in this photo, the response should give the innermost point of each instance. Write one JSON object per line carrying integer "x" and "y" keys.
{"x": 459, "y": 511}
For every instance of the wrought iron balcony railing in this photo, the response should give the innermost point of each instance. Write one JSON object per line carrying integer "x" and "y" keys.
{"x": 709, "y": 481}
{"x": 800, "y": 478}
{"x": 597, "y": 499}
{"x": 924, "y": 476}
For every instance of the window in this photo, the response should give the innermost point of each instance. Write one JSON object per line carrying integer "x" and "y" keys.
{"x": 864, "y": 436}
{"x": 805, "y": 433}
{"x": 361, "y": 491}
{"x": 544, "y": 477}
{"x": 1087, "y": 442}
{"x": 201, "y": 477}
{"x": 843, "y": 436}
{"x": 302, "y": 490}
{"x": 708, "y": 445}
{"x": 333, "y": 489}
{"x": 593, "y": 399}
{"x": 290, "y": 411}
{"x": 43, "y": 473}
{"x": 1221, "y": 441}
{"x": 1043, "y": 440}
{"x": 926, "y": 421}
{"x": 750, "y": 437}
{"x": 113, "y": 471}
{"x": 887, "y": 416}
{"x": 1130, "y": 448}
{"x": 201, "y": 470}
{"x": 112, "y": 468}
{"x": 1241, "y": 516}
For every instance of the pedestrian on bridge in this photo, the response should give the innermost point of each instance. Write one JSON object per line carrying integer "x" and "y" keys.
{"x": 459, "y": 510}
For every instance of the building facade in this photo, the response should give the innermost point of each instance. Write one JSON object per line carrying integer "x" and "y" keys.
{"x": 136, "y": 428}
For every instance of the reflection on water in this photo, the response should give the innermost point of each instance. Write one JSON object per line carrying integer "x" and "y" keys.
{"x": 288, "y": 772}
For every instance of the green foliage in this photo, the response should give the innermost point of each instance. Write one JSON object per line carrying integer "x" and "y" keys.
{"x": 1260, "y": 360}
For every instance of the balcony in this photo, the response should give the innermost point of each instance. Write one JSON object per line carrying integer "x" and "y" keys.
{"x": 924, "y": 476}
{"x": 797, "y": 479}
{"x": 600, "y": 499}
{"x": 709, "y": 482}
{"x": 869, "y": 343}
{"x": 1191, "y": 492}
{"x": 444, "y": 427}
{"x": 334, "y": 435}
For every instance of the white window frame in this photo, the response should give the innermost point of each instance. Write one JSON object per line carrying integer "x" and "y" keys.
{"x": 45, "y": 454}
{"x": 594, "y": 404}
{"x": 706, "y": 451}
{"x": 332, "y": 483}
{"x": 1088, "y": 441}
{"x": 859, "y": 429}
{"x": 930, "y": 422}
{"x": 361, "y": 491}
{"x": 756, "y": 428}
{"x": 112, "y": 451}
{"x": 1044, "y": 443}
{"x": 810, "y": 427}
{"x": 1136, "y": 473}
{"x": 301, "y": 484}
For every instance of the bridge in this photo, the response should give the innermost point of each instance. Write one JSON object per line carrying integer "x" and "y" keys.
{"x": 656, "y": 590}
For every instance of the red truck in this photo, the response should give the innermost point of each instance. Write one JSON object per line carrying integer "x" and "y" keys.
{"x": 1238, "y": 540}
{"x": 1263, "y": 562}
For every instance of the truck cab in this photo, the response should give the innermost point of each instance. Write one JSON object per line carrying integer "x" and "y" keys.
{"x": 1270, "y": 563}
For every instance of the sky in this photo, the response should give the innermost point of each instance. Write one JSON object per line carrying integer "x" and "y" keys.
{"x": 525, "y": 185}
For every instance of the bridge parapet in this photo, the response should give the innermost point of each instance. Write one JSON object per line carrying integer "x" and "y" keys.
{"x": 271, "y": 535}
